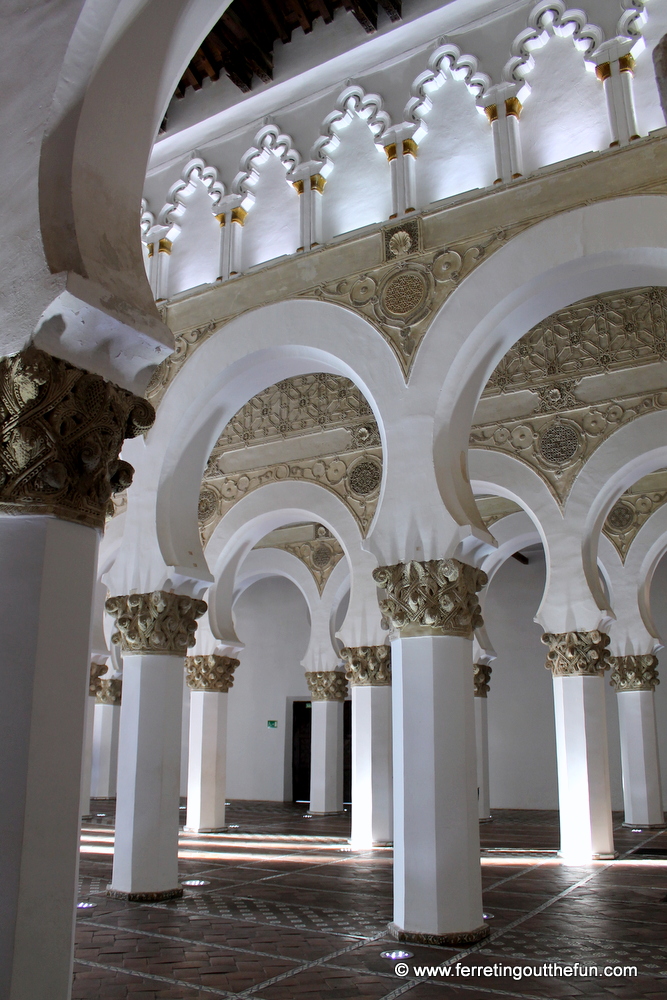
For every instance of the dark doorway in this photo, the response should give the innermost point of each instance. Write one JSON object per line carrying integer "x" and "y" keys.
{"x": 301, "y": 729}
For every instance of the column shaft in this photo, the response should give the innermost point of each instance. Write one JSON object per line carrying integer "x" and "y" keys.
{"x": 642, "y": 790}
{"x": 482, "y": 741}
{"x": 372, "y": 821}
{"x": 326, "y": 757}
{"x": 105, "y": 751}
{"x": 47, "y": 576}
{"x": 437, "y": 878}
{"x": 207, "y": 762}
{"x": 87, "y": 758}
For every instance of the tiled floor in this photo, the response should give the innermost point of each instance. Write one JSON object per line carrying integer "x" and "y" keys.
{"x": 289, "y": 912}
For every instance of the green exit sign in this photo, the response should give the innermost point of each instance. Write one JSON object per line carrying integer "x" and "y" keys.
{"x": 272, "y": 724}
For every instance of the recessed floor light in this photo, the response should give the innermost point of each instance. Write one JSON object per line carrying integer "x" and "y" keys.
{"x": 637, "y": 830}
{"x": 395, "y": 955}
{"x": 488, "y": 916}
{"x": 233, "y": 826}
{"x": 85, "y": 906}
{"x": 195, "y": 881}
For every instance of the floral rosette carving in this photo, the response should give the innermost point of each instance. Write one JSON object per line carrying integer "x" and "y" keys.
{"x": 62, "y": 430}
{"x": 213, "y": 673}
{"x": 634, "y": 673}
{"x": 481, "y": 678}
{"x": 110, "y": 692}
{"x": 438, "y": 597}
{"x": 577, "y": 654}
{"x": 327, "y": 685}
{"x": 160, "y": 623}
{"x": 367, "y": 666}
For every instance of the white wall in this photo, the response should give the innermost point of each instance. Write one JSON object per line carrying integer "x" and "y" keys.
{"x": 659, "y": 609}
{"x": 272, "y": 620}
{"x": 522, "y": 741}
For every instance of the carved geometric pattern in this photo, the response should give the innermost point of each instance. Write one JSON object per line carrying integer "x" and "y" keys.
{"x": 110, "y": 692}
{"x": 634, "y": 673}
{"x": 438, "y": 597}
{"x": 633, "y": 509}
{"x": 327, "y": 685}
{"x": 159, "y": 623}
{"x": 401, "y": 240}
{"x": 557, "y": 447}
{"x": 367, "y": 666}
{"x": 577, "y": 654}
{"x": 601, "y": 334}
{"x": 481, "y": 679}
{"x": 213, "y": 673}
{"x": 321, "y": 554}
{"x": 62, "y": 429}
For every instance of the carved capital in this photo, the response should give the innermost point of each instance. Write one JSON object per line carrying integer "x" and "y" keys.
{"x": 577, "y": 654}
{"x": 438, "y": 597}
{"x": 62, "y": 429}
{"x": 96, "y": 671}
{"x": 213, "y": 673}
{"x": 367, "y": 666}
{"x": 110, "y": 692}
{"x": 327, "y": 685}
{"x": 481, "y": 678}
{"x": 159, "y": 623}
{"x": 634, "y": 673}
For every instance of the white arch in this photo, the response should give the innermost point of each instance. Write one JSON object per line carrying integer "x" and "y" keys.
{"x": 447, "y": 58}
{"x": 352, "y": 100}
{"x": 269, "y": 140}
{"x": 196, "y": 169}
{"x": 262, "y": 563}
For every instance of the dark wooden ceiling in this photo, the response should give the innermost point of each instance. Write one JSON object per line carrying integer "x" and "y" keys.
{"x": 241, "y": 43}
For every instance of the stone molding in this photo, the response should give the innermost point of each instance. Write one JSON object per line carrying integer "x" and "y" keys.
{"x": 327, "y": 685}
{"x": 110, "y": 692}
{"x": 634, "y": 673}
{"x": 62, "y": 430}
{"x": 482, "y": 676}
{"x": 367, "y": 666}
{"x": 160, "y": 623}
{"x": 213, "y": 672}
{"x": 438, "y": 597}
{"x": 577, "y": 654}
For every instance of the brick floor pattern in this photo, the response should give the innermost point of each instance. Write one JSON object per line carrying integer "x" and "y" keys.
{"x": 289, "y": 912}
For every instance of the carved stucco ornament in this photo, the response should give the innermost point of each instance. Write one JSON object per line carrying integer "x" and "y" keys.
{"x": 481, "y": 678}
{"x": 96, "y": 671}
{"x": 213, "y": 672}
{"x": 438, "y": 597}
{"x": 327, "y": 685}
{"x": 633, "y": 509}
{"x": 577, "y": 654}
{"x": 62, "y": 430}
{"x": 159, "y": 623}
{"x": 634, "y": 673}
{"x": 110, "y": 692}
{"x": 367, "y": 666}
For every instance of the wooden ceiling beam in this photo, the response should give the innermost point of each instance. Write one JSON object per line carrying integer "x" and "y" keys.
{"x": 365, "y": 13}
{"x": 325, "y": 9}
{"x": 304, "y": 18}
{"x": 392, "y": 8}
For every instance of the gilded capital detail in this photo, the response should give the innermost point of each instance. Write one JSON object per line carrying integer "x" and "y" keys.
{"x": 438, "y": 597}
{"x": 213, "y": 673}
{"x": 367, "y": 666}
{"x": 634, "y": 673}
{"x": 577, "y": 654}
{"x": 62, "y": 429}
{"x": 109, "y": 692}
{"x": 327, "y": 685}
{"x": 481, "y": 678}
{"x": 160, "y": 623}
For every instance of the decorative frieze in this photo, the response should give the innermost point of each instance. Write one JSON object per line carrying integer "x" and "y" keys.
{"x": 213, "y": 672}
{"x": 367, "y": 666}
{"x": 482, "y": 676}
{"x": 110, "y": 692}
{"x": 62, "y": 429}
{"x": 633, "y": 509}
{"x": 321, "y": 555}
{"x": 160, "y": 623}
{"x": 438, "y": 597}
{"x": 577, "y": 654}
{"x": 634, "y": 673}
{"x": 327, "y": 685}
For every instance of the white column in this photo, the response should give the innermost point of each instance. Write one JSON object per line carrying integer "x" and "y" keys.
{"x": 154, "y": 632}
{"x": 47, "y": 576}
{"x": 185, "y": 739}
{"x": 578, "y": 660}
{"x": 614, "y": 68}
{"x": 401, "y": 152}
{"x": 309, "y": 183}
{"x": 369, "y": 674}
{"x": 502, "y": 107}
{"x": 87, "y": 758}
{"x": 634, "y": 679}
{"x": 482, "y": 676}
{"x": 328, "y": 689}
{"x": 105, "y": 751}
{"x": 209, "y": 678}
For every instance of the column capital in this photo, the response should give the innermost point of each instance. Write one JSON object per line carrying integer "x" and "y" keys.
{"x": 96, "y": 671}
{"x": 62, "y": 429}
{"x": 367, "y": 666}
{"x": 634, "y": 673}
{"x": 577, "y": 654}
{"x": 212, "y": 672}
{"x": 327, "y": 685}
{"x": 438, "y": 597}
{"x": 160, "y": 623}
{"x": 109, "y": 692}
{"x": 481, "y": 678}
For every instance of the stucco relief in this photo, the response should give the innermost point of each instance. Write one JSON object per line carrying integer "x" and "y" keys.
{"x": 481, "y": 678}
{"x": 438, "y": 597}
{"x": 160, "y": 623}
{"x": 633, "y": 509}
{"x": 367, "y": 666}
{"x": 634, "y": 673}
{"x": 327, "y": 685}
{"x": 213, "y": 673}
{"x": 577, "y": 654}
{"x": 321, "y": 555}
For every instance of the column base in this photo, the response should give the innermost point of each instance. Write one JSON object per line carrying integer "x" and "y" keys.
{"x": 146, "y": 897}
{"x": 486, "y": 819}
{"x": 335, "y": 812}
{"x": 205, "y": 829}
{"x": 443, "y": 940}
{"x": 645, "y": 826}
